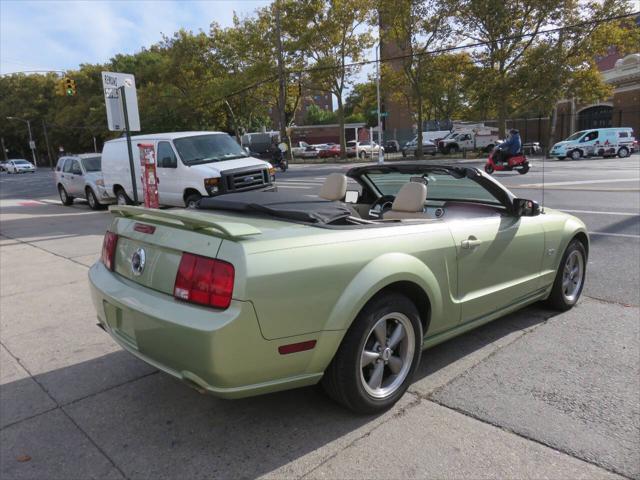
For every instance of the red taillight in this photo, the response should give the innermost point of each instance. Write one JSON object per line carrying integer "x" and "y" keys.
{"x": 109, "y": 249}
{"x": 203, "y": 280}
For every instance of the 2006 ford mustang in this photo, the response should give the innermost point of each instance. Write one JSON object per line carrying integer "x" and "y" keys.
{"x": 264, "y": 291}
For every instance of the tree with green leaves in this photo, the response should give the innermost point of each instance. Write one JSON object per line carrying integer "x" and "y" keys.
{"x": 417, "y": 27}
{"x": 337, "y": 35}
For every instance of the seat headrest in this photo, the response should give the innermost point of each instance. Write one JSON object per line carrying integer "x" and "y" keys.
{"x": 334, "y": 187}
{"x": 410, "y": 198}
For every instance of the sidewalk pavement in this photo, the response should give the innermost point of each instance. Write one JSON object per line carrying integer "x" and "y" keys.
{"x": 532, "y": 395}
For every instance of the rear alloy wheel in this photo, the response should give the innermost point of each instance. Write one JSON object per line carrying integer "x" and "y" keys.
{"x": 378, "y": 356}
{"x": 569, "y": 281}
{"x": 65, "y": 198}
{"x": 576, "y": 155}
{"x": 93, "y": 200}
{"x": 192, "y": 200}
{"x": 623, "y": 152}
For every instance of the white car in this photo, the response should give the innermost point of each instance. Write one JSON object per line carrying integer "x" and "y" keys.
{"x": 189, "y": 166}
{"x": 19, "y": 165}
{"x": 363, "y": 149}
{"x": 80, "y": 176}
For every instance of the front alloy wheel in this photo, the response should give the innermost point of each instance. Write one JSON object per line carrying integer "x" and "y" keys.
{"x": 575, "y": 155}
{"x": 378, "y": 355}
{"x": 387, "y": 355}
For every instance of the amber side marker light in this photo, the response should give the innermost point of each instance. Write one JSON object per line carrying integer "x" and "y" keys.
{"x": 296, "y": 347}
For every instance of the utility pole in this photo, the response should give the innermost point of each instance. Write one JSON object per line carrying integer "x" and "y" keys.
{"x": 46, "y": 139}
{"x": 282, "y": 83}
{"x": 380, "y": 152}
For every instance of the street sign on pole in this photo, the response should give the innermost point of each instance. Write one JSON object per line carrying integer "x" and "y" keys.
{"x": 121, "y": 100}
{"x": 32, "y": 145}
{"x": 112, "y": 83}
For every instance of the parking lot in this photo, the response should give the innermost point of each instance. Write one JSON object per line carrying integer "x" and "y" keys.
{"x": 533, "y": 395}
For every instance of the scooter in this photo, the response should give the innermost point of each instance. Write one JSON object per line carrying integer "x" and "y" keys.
{"x": 279, "y": 160}
{"x": 517, "y": 162}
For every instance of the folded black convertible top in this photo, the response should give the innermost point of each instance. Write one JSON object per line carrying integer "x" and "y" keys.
{"x": 289, "y": 206}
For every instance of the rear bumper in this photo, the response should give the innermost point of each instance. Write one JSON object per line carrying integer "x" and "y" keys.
{"x": 220, "y": 352}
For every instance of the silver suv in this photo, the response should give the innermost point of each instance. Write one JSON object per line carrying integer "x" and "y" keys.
{"x": 80, "y": 176}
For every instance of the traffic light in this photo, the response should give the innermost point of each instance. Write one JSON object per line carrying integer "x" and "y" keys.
{"x": 69, "y": 87}
{"x": 60, "y": 88}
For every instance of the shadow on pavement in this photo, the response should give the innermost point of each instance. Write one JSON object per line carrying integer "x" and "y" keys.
{"x": 154, "y": 426}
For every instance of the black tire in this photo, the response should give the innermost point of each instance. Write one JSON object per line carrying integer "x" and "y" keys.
{"x": 192, "y": 200}
{"x": 623, "y": 152}
{"x": 122, "y": 198}
{"x": 488, "y": 168}
{"x": 523, "y": 169}
{"x": 94, "y": 204}
{"x": 575, "y": 155}
{"x": 343, "y": 379}
{"x": 65, "y": 198}
{"x": 404, "y": 153}
{"x": 557, "y": 299}
{"x": 362, "y": 155}
{"x": 284, "y": 165}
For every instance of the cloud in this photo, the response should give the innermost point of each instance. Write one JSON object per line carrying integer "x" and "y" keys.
{"x": 61, "y": 35}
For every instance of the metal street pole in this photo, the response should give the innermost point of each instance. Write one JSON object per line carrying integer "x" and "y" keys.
{"x": 32, "y": 144}
{"x": 95, "y": 145}
{"x": 380, "y": 151}
{"x": 128, "y": 133}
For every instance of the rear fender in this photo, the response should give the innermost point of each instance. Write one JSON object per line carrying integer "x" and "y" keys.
{"x": 375, "y": 276}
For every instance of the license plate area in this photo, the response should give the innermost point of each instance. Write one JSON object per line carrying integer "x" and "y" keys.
{"x": 121, "y": 323}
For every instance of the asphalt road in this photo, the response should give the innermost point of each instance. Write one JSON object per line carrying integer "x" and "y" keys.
{"x": 536, "y": 394}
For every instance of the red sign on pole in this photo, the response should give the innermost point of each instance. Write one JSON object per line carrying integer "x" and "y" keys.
{"x": 149, "y": 177}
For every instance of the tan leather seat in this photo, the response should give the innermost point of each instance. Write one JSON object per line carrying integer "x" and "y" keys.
{"x": 334, "y": 187}
{"x": 409, "y": 202}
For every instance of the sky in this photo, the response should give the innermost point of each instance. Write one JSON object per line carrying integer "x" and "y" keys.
{"x": 60, "y": 35}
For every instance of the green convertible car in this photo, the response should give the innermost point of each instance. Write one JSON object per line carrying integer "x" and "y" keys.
{"x": 263, "y": 291}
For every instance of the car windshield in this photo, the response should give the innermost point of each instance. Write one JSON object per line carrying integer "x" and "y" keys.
{"x": 208, "y": 148}
{"x": 21, "y": 162}
{"x": 440, "y": 186}
{"x": 575, "y": 136}
{"x": 91, "y": 164}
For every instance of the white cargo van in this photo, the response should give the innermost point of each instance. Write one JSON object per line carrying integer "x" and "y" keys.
{"x": 190, "y": 165}
{"x": 602, "y": 142}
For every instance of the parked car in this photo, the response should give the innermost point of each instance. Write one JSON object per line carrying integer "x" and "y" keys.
{"x": 468, "y": 138}
{"x": 531, "y": 148}
{"x": 80, "y": 176}
{"x": 411, "y": 147}
{"x": 392, "y": 146}
{"x": 602, "y": 142}
{"x": 190, "y": 166}
{"x": 330, "y": 151}
{"x": 264, "y": 291}
{"x": 301, "y": 147}
{"x": 19, "y": 165}
{"x": 362, "y": 149}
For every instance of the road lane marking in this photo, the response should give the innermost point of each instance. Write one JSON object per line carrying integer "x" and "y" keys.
{"x": 577, "y": 182}
{"x": 606, "y": 234}
{"x": 624, "y": 214}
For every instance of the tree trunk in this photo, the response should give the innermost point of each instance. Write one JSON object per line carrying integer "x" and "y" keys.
{"x": 419, "y": 145}
{"x": 343, "y": 144}
{"x": 282, "y": 82}
{"x": 552, "y": 130}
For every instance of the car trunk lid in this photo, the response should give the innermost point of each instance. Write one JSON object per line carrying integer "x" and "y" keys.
{"x": 151, "y": 242}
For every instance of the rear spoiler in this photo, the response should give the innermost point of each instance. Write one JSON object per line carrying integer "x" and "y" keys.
{"x": 187, "y": 219}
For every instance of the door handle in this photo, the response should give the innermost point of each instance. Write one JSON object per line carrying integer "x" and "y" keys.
{"x": 471, "y": 242}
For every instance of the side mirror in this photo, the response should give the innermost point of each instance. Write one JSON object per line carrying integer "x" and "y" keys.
{"x": 525, "y": 208}
{"x": 351, "y": 196}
